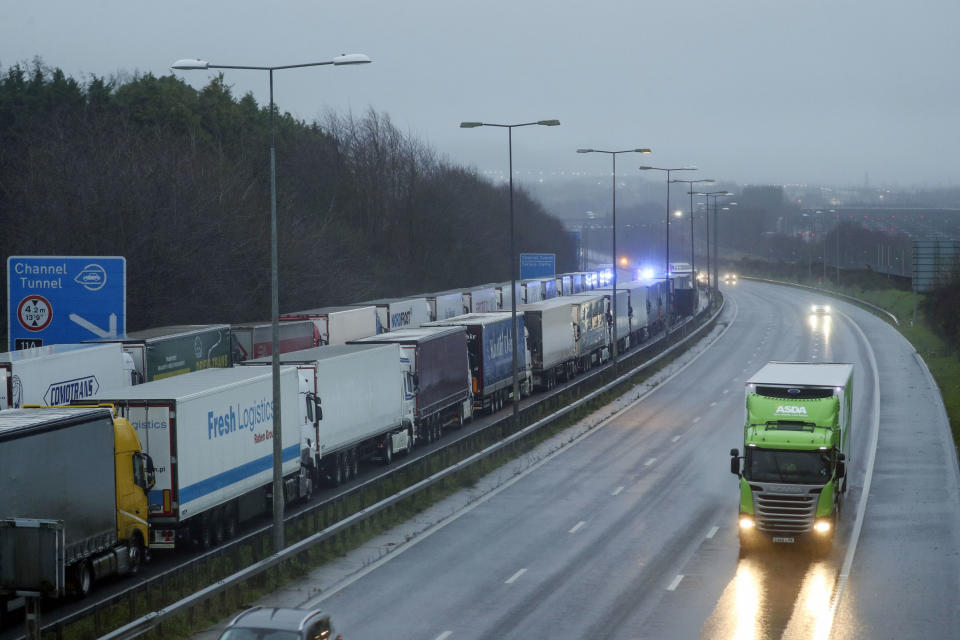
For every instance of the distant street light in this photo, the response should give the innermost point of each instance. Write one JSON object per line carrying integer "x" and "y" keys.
{"x": 513, "y": 252}
{"x": 693, "y": 262}
{"x": 190, "y": 64}
{"x": 613, "y": 255}
{"x": 716, "y": 230}
{"x": 667, "y": 260}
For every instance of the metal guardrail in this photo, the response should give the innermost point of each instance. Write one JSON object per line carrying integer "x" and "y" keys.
{"x": 682, "y": 334}
{"x": 879, "y": 310}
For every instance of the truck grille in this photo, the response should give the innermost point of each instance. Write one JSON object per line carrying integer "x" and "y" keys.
{"x": 783, "y": 513}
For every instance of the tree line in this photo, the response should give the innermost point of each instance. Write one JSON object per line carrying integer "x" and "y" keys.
{"x": 177, "y": 180}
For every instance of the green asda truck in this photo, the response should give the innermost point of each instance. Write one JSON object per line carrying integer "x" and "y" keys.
{"x": 796, "y": 443}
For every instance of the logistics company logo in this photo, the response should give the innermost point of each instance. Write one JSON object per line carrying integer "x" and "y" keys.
{"x": 790, "y": 410}
{"x": 76, "y": 389}
{"x": 400, "y": 319}
{"x": 92, "y": 277}
{"x": 232, "y": 421}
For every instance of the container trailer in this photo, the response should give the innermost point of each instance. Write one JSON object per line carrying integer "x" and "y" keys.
{"x": 163, "y": 352}
{"x": 255, "y": 340}
{"x": 550, "y": 338}
{"x": 337, "y": 325}
{"x": 399, "y": 313}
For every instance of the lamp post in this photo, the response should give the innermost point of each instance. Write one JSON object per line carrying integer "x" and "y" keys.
{"x": 716, "y": 231}
{"x": 693, "y": 263}
{"x": 190, "y": 64}
{"x": 667, "y": 260}
{"x": 513, "y": 253}
{"x": 613, "y": 255}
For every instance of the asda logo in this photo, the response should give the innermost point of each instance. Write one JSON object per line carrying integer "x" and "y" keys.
{"x": 790, "y": 410}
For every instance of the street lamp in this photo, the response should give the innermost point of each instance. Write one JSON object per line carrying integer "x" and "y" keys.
{"x": 613, "y": 255}
{"x": 191, "y": 64}
{"x": 693, "y": 263}
{"x": 667, "y": 260}
{"x": 513, "y": 253}
{"x": 716, "y": 230}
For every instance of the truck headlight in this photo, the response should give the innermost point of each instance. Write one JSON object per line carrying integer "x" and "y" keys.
{"x": 821, "y": 526}
{"x": 746, "y": 522}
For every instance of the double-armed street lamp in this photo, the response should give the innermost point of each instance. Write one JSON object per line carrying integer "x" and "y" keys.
{"x": 716, "y": 232}
{"x": 693, "y": 263}
{"x": 613, "y": 255}
{"x": 667, "y": 259}
{"x": 513, "y": 253}
{"x": 191, "y": 64}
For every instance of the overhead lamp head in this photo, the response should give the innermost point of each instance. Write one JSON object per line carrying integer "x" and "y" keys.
{"x": 470, "y": 125}
{"x": 352, "y": 58}
{"x": 584, "y": 150}
{"x": 646, "y": 168}
{"x": 549, "y": 123}
{"x": 643, "y": 151}
{"x": 190, "y": 64}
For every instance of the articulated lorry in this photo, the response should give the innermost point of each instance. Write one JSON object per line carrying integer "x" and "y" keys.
{"x": 210, "y": 434}
{"x": 482, "y": 299}
{"x": 796, "y": 446}
{"x": 60, "y": 373}
{"x": 255, "y": 340}
{"x": 83, "y": 467}
{"x": 438, "y": 376}
{"x": 337, "y": 325}
{"x": 490, "y": 350}
{"x": 399, "y": 313}
{"x": 364, "y": 414}
{"x": 551, "y": 339}
{"x": 591, "y": 328}
{"x": 163, "y": 352}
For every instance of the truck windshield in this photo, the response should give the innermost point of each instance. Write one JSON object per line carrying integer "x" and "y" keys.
{"x": 788, "y": 467}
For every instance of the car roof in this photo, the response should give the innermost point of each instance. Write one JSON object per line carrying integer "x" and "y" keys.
{"x": 281, "y": 619}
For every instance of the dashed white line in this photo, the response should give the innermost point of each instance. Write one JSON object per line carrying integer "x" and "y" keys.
{"x": 446, "y": 634}
{"x": 713, "y": 404}
{"x": 695, "y": 420}
{"x": 725, "y": 390}
{"x": 649, "y": 462}
{"x": 735, "y": 378}
{"x": 676, "y": 583}
{"x": 674, "y": 438}
{"x": 617, "y": 491}
{"x": 577, "y": 526}
{"x": 712, "y": 532}
{"x": 514, "y": 577}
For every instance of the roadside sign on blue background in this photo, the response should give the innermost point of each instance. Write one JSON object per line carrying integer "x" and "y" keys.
{"x": 538, "y": 265}
{"x": 65, "y": 299}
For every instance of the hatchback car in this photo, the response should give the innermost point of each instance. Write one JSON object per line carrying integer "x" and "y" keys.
{"x": 270, "y": 623}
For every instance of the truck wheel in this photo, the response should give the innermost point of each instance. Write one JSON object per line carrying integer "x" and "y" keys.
{"x": 135, "y": 554}
{"x": 355, "y": 462}
{"x": 388, "y": 450}
{"x": 83, "y": 575}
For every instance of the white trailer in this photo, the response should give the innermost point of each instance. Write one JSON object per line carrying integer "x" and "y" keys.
{"x": 591, "y": 328}
{"x": 337, "y": 325}
{"x": 399, "y": 313}
{"x": 483, "y": 299}
{"x": 59, "y": 373}
{"x": 255, "y": 340}
{"x": 210, "y": 434}
{"x": 365, "y": 412}
{"x": 639, "y": 325}
{"x": 446, "y": 304}
{"x": 550, "y": 337}
{"x": 532, "y": 291}
{"x": 624, "y": 340}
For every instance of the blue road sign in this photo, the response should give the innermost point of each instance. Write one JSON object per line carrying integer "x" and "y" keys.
{"x": 538, "y": 265}
{"x": 65, "y": 299}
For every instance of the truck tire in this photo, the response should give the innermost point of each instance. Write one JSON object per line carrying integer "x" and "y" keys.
{"x": 387, "y": 450}
{"x": 135, "y": 554}
{"x": 355, "y": 461}
{"x": 83, "y": 576}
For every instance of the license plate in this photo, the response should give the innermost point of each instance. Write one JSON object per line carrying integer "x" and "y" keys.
{"x": 785, "y": 540}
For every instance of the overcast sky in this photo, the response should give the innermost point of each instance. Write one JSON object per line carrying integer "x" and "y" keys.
{"x": 756, "y": 91}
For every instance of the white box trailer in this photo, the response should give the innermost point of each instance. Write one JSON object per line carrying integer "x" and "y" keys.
{"x": 365, "y": 413}
{"x": 59, "y": 373}
{"x": 624, "y": 339}
{"x": 531, "y": 291}
{"x": 210, "y": 434}
{"x": 400, "y": 313}
{"x": 481, "y": 299}
{"x": 446, "y": 304}
{"x": 338, "y": 325}
{"x": 592, "y": 330}
{"x": 638, "y": 307}
{"x": 255, "y": 340}
{"x": 550, "y": 337}
{"x": 503, "y": 295}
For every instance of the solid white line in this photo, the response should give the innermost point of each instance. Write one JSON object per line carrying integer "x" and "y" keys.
{"x": 676, "y": 583}
{"x": 713, "y": 531}
{"x": 868, "y": 478}
{"x": 648, "y": 462}
{"x": 447, "y": 634}
{"x": 514, "y": 577}
{"x": 577, "y": 526}
{"x": 618, "y": 489}
{"x": 349, "y": 580}
{"x": 674, "y": 438}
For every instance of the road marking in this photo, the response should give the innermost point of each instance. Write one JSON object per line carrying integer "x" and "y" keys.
{"x": 649, "y": 462}
{"x": 713, "y": 404}
{"x": 514, "y": 577}
{"x": 713, "y": 531}
{"x": 447, "y": 634}
{"x": 675, "y": 438}
{"x": 676, "y": 583}
{"x": 696, "y": 420}
{"x": 737, "y": 378}
{"x": 617, "y": 491}
{"x": 577, "y": 526}
{"x": 725, "y": 390}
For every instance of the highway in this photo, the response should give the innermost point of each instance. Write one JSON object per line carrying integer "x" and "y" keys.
{"x": 630, "y": 531}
